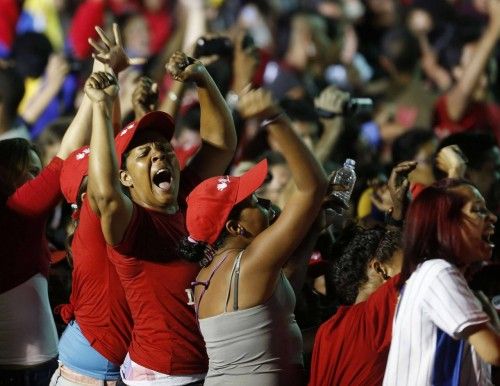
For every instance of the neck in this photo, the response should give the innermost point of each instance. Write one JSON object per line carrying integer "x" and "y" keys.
{"x": 230, "y": 244}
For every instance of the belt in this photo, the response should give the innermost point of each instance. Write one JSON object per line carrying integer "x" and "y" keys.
{"x": 73, "y": 376}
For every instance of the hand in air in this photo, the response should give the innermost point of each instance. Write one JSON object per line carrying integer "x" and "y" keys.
{"x": 101, "y": 87}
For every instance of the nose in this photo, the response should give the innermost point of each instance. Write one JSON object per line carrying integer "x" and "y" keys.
{"x": 158, "y": 154}
{"x": 493, "y": 217}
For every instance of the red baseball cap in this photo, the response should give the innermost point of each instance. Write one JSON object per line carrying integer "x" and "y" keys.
{"x": 210, "y": 203}
{"x": 74, "y": 169}
{"x": 157, "y": 120}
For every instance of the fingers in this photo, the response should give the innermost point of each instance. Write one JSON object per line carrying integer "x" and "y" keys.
{"x": 101, "y": 80}
{"x": 178, "y": 62}
{"x": 103, "y": 36}
{"x": 117, "y": 35}
{"x": 97, "y": 46}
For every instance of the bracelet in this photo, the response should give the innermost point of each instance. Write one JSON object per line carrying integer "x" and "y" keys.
{"x": 173, "y": 96}
{"x": 325, "y": 114}
{"x": 273, "y": 119}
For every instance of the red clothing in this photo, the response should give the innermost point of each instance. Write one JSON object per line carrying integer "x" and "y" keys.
{"x": 478, "y": 117}
{"x": 165, "y": 337}
{"x": 97, "y": 297}
{"x": 8, "y": 20}
{"x": 351, "y": 348}
{"x": 25, "y": 250}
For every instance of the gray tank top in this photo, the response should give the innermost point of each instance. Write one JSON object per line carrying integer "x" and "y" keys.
{"x": 261, "y": 345}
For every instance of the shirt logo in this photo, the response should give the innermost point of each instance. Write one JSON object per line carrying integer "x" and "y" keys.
{"x": 83, "y": 153}
{"x": 222, "y": 183}
{"x": 126, "y": 129}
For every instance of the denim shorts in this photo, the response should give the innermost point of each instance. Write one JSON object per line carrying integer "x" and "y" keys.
{"x": 76, "y": 353}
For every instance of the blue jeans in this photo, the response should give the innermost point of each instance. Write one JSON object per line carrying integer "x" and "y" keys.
{"x": 76, "y": 353}
{"x": 36, "y": 376}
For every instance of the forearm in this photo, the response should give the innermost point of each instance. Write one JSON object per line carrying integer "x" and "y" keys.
{"x": 307, "y": 172}
{"x": 78, "y": 132}
{"x": 331, "y": 134}
{"x": 460, "y": 94}
{"x": 216, "y": 121}
{"x": 39, "y": 102}
{"x": 172, "y": 101}
{"x": 103, "y": 165}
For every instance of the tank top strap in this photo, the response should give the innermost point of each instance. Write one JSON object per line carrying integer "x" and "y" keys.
{"x": 234, "y": 282}
{"x": 206, "y": 283}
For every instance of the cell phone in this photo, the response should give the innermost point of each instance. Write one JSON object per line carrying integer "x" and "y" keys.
{"x": 221, "y": 46}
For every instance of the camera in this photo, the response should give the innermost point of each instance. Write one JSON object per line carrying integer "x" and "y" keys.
{"x": 354, "y": 106}
{"x": 221, "y": 46}
{"x": 358, "y": 106}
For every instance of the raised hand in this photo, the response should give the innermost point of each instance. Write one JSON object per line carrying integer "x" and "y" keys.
{"x": 110, "y": 51}
{"x": 144, "y": 97}
{"x": 331, "y": 100}
{"x": 258, "y": 104}
{"x": 398, "y": 187}
{"x": 452, "y": 161}
{"x": 101, "y": 87}
{"x": 185, "y": 68}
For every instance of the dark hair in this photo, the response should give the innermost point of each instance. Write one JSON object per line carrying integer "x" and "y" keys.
{"x": 31, "y": 51}
{"x": 433, "y": 227}
{"x": 355, "y": 248}
{"x": 401, "y": 48}
{"x": 195, "y": 252}
{"x": 406, "y": 146}
{"x": 474, "y": 145}
{"x": 14, "y": 161}
{"x": 69, "y": 238}
{"x": 11, "y": 90}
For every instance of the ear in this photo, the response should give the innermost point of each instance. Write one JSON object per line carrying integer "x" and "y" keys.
{"x": 380, "y": 269}
{"x": 82, "y": 196}
{"x": 233, "y": 227}
{"x": 125, "y": 179}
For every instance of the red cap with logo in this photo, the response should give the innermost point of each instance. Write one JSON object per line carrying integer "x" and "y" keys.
{"x": 156, "y": 120}
{"x": 210, "y": 203}
{"x": 74, "y": 169}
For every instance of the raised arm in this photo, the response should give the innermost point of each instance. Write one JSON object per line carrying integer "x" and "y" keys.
{"x": 460, "y": 94}
{"x": 271, "y": 248}
{"x": 216, "y": 123}
{"x": 104, "y": 190}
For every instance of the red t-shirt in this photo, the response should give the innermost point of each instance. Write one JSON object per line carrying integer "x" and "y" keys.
{"x": 25, "y": 251}
{"x": 165, "y": 337}
{"x": 97, "y": 297}
{"x": 478, "y": 117}
{"x": 351, "y": 348}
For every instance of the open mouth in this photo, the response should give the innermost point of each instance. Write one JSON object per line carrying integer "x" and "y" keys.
{"x": 163, "y": 179}
{"x": 486, "y": 238}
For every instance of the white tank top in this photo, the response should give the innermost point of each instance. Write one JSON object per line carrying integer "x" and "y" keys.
{"x": 28, "y": 334}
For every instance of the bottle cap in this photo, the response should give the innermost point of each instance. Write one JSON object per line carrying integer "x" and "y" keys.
{"x": 496, "y": 302}
{"x": 349, "y": 162}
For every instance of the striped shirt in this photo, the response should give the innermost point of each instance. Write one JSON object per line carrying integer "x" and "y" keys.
{"x": 436, "y": 300}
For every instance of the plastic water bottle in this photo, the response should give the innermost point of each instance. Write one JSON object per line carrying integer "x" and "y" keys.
{"x": 346, "y": 177}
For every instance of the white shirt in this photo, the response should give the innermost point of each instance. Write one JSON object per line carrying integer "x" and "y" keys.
{"x": 435, "y": 296}
{"x": 28, "y": 334}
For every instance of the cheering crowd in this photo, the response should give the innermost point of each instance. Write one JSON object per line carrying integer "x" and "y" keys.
{"x": 171, "y": 207}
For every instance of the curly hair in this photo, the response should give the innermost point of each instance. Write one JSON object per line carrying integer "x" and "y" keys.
{"x": 353, "y": 251}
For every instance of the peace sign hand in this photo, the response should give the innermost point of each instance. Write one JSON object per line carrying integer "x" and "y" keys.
{"x": 109, "y": 51}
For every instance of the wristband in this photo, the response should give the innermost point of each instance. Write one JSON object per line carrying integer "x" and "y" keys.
{"x": 273, "y": 119}
{"x": 328, "y": 114}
